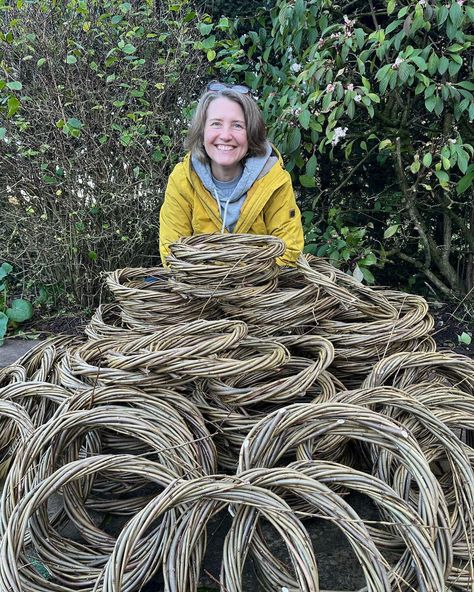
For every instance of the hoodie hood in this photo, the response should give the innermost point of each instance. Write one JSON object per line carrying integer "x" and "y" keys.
{"x": 255, "y": 167}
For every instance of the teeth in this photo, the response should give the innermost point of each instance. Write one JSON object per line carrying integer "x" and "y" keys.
{"x": 224, "y": 147}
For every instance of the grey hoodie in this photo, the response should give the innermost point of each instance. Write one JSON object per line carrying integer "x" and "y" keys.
{"x": 254, "y": 168}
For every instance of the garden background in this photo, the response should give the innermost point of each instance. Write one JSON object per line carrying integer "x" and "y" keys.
{"x": 370, "y": 102}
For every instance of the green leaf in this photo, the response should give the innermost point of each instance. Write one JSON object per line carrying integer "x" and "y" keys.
{"x": 307, "y": 181}
{"x": 211, "y": 55}
{"x": 391, "y": 230}
{"x": 13, "y": 105}
{"x": 454, "y": 68}
{"x": 3, "y": 132}
{"x": 367, "y": 275}
{"x": 427, "y": 159}
{"x": 20, "y": 310}
{"x": 463, "y": 161}
{"x": 420, "y": 62}
{"x": 128, "y": 48}
{"x": 442, "y": 15}
{"x": 3, "y": 326}
{"x": 384, "y": 144}
{"x": 74, "y": 123}
{"x": 455, "y": 14}
{"x": 443, "y": 65}
{"x": 209, "y": 42}
{"x": 465, "y": 182}
{"x": 294, "y": 139}
{"x": 205, "y": 28}
{"x": 126, "y": 139}
{"x": 304, "y": 118}
{"x": 368, "y": 260}
{"x": 40, "y": 62}
{"x": 466, "y": 84}
{"x": 311, "y": 166}
{"x": 14, "y": 85}
{"x": 443, "y": 178}
{"x": 404, "y": 72}
{"x": 71, "y": 59}
{"x": 357, "y": 274}
{"x": 5, "y": 269}
{"x": 465, "y": 338}
{"x": 430, "y": 103}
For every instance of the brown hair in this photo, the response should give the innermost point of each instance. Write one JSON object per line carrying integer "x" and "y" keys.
{"x": 256, "y": 131}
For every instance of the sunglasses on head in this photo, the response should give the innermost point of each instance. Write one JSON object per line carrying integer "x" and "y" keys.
{"x": 216, "y": 86}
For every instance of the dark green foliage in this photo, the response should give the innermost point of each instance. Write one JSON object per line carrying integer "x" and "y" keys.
{"x": 372, "y": 105}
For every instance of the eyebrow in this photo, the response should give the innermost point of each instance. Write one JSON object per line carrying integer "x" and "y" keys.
{"x": 233, "y": 121}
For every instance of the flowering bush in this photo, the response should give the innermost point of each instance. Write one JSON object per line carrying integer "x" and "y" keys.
{"x": 372, "y": 106}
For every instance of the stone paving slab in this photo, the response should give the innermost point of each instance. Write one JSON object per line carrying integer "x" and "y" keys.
{"x": 12, "y": 349}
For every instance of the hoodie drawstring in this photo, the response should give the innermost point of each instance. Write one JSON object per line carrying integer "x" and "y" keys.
{"x": 223, "y": 216}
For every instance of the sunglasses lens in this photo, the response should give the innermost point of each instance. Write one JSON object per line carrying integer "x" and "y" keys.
{"x": 216, "y": 86}
{"x": 243, "y": 90}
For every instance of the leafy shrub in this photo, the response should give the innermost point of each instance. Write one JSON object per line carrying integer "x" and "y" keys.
{"x": 93, "y": 99}
{"x": 372, "y": 106}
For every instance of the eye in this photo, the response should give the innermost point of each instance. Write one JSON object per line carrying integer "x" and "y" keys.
{"x": 239, "y": 126}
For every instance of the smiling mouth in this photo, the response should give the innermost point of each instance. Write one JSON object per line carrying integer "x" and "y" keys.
{"x": 224, "y": 147}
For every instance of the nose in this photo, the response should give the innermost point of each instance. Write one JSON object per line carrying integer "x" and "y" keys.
{"x": 226, "y": 132}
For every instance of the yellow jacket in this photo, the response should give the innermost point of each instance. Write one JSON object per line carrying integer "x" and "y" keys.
{"x": 269, "y": 208}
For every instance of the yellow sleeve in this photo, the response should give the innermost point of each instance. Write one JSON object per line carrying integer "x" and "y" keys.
{"x": 175, "y": 213}
{"x": 283, "y": 220}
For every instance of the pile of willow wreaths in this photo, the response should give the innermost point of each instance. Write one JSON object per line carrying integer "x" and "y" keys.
{"x": 225, "y": 381}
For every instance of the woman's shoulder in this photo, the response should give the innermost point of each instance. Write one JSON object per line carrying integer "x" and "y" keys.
{"x": 182, "y": 168}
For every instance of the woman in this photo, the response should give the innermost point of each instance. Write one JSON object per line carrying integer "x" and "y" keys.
{"x": 232, "y": 179}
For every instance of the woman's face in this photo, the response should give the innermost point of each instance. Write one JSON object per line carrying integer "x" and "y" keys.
{"x": 225, "y": 137}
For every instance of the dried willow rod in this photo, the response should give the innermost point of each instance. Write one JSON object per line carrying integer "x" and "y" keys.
{"x": 226, "y": 248}
{"x": 409, "y": 368}
{"x": 272, "y": 437}
{"x": 436, "y": 440}
{"x": 12, "y": 374}
{"x": 213, "y": 491}
{"x": 323, "y": 501}
{"x": 67, "y": 562}
{"x": 41, "y": 360}
{"x": 147, "y": 298}
{"x": 283, "y": 384}
{"x": 159, "y": 427}
{"x": 358, "y": 297}
{"x": 419, "y": 560}
{"x": 163, "y": 403}
{"x": 204, "y": 265}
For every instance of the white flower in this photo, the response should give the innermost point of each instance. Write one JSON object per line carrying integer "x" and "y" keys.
{"x": 358, "y": 98}
{"x": 397, "y": 63}
{"x": 422, "y": 2}
{"x": 330, "y": 88}
{"x": 339, "y": 133}
{"x": 295, "y": 67}
{"x": 350, "y": 86}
